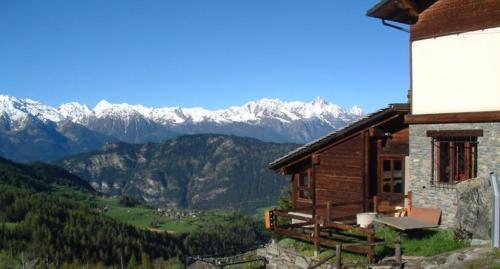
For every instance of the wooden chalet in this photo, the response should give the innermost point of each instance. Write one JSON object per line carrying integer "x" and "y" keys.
{"x": 338, "y": 175}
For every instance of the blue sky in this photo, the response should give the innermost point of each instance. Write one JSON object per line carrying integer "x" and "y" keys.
{"x": 212, "y": 54}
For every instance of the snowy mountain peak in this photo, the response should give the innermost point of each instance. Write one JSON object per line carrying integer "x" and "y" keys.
{"x": 319, "y": 101}
{"x": 18, "y": 110}
{"x": 356, "y": 110}
{"x": 76, "y": 112}
{"x": 102, "y": 105}
{"x": 253, "y": 112}
{"x": 104, "y": 109}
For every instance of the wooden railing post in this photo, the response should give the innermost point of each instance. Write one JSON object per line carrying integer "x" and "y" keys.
{"x": 338, "y": 256}
{"x": 328, "y": 213}
{"x": 371, "y": 251}
{"x": 317, "y": 246}
{"x": 375, "y": 203}
{"x": 410, "y": 201}
{"x": 397, "y": 253}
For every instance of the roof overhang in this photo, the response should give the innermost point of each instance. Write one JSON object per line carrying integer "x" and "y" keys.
{"x": 402, "y": 11}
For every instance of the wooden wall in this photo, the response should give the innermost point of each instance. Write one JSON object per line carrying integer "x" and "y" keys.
{"x": 397, "y": 144}
{"x": 347, "y": 169}
{"x": 455, "y": 16}
{"x": 339, "y": 176}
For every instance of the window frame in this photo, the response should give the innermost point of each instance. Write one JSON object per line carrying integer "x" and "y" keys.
{"x": 453, "y": 139}
{"x": 301, "y": 188}
{"x": 391, "y": 158}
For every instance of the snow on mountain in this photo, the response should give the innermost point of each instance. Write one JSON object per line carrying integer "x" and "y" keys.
{"x": 17, "y": 111}
{"x": 76, "y": 112}
{"x": 253, "y": 112}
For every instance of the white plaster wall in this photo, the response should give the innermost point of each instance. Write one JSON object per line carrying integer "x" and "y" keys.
{"x": 457, "y": 73}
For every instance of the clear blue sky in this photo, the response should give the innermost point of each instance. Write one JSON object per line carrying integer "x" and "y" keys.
{"x": 210, "y": 53}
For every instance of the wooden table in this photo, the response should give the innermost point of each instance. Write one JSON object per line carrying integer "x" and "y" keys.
{"x": 404, "y": 223}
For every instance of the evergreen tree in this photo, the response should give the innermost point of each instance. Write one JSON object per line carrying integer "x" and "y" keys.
{"x": 132, "y": 263}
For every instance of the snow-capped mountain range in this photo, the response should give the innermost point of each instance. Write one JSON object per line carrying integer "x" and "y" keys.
{"x": 266, "y": 119}
{"x": 252, "y": 112}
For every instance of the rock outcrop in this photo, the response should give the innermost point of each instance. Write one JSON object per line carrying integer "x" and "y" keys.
{"x": 473, "y": 218}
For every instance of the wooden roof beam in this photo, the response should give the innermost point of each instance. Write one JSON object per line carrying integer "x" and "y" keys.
{"x": 410, "y": 7}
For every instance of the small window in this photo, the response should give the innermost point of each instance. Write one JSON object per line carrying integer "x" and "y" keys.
{"x": 304, "y": 186}
{"x": 304, "y": 194}
{"x": 454, "y": 158}
{"x": 392, "y": 174}
{"x": 304, "y": 180}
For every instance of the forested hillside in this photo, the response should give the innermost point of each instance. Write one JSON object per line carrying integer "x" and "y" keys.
{"x": 43, "y": 223}
{"x": 197, "y": 171}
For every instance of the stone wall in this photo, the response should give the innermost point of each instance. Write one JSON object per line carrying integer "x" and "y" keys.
{"x": 279, "y": 257}
{"x": 426, "y": 195}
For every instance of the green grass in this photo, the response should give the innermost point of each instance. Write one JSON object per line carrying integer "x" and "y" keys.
{"x": 428, "y": 242}
{"x": 307, "y": 249}
{"x": 142, "y": 216}
{"x": 73, "y": 194}
{"x": 422, "y": 243}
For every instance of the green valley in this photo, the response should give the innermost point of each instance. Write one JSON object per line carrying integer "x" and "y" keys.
{"x": 51, "y": 218}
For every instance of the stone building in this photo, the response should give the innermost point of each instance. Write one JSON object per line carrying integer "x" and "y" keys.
{"x": 454, "y": 95}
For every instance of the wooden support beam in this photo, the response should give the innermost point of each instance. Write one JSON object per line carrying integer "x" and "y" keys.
{"x": 410, "y": 7}
{"x": 376, "y": 132}
{"x": 366, "y": 170}
{"x": 464, "y": 117}
{"x": 359, "y": 248}
{"x": 291, "y": 216}
{"x": 354, "y": 238}
{"x": 452, "y": 133}
{"x": 351, "y": 228}
{"x": 328, "y": 212}
{"x": 296, "y": 225}
{"x": 293, "y": 234}
{"x": 409, "y": 196}
{"x": 315, "y": 159}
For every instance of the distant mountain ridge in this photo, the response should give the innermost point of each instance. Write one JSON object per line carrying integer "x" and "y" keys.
{"x": 202, "y": 171}
{"x": 73, "y": 127}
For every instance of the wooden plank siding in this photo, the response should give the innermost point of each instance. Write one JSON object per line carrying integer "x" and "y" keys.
{"x": 447, "y": 17}
{"x": 339, "y": 176}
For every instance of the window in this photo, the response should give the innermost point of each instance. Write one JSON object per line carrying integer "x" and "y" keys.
{"x": 454, "y": 156}
{"x": 392, "y": 174}
{"x": 304, "y": 186}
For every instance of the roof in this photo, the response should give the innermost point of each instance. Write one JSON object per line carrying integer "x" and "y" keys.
{"x": 402, "y": 11}
{"x": 340, "y": 133}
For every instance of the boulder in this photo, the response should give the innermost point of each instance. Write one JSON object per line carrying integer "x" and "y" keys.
{"x": 474, "y": 204}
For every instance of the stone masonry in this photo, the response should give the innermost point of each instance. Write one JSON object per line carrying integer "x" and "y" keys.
{"x": 279, "y": 257}
{"x": 426, "y": 195}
